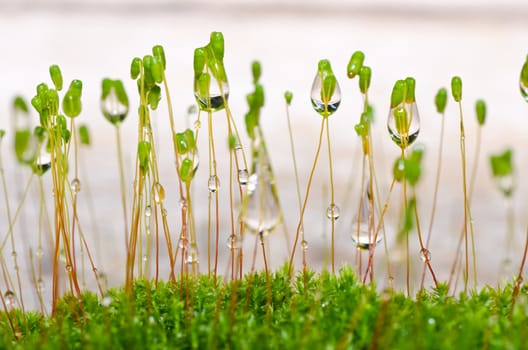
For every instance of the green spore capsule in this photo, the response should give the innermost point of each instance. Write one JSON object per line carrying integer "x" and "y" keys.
{"x": 159, "y": 53}
{"x": 502, "y": 171}
{"x": 398, "y": 93}
{"x": 480, "y": 108}
{"x": 410, "y": 84}
{"x": 329, "y": 85}
{"x": 441, "y": 100}
{"x": 355, "y": 64}
{"x": 36, "y": 102}
{"x": 186, "y": 170}
{"x": 256, "y": 71}
{"x": 456, "y": 88}
{"x": 19, "y": 104}
{"x": 251, "y": 118}
{"x": 56, "y": 76}
{"x": 398, "y": 170}
{"x": 135, "y": 67}
{"x": 157, "y": 70}
{"x": 147, "y": 71}
{"x": 288, "y": 96}
{"x": 324, "y": 66}
{"x": 84, "y": 135}
{"x": 76, "y": 86}
{"x": 42, "y": 89}
{"x": 189, "y": 139}
{"x": 258, "y": 100}
{"x": 181, "y": 143}
{"x": 2, "y": 133}
{"x": 231, "y": 142}
{"x": 217, "y": 45}
{"x": 199, "y": 61}
{"x": 71, "y": 104}
{"x": 364, "y": 79}
{"x": 144, "y": 155}
{"x": 154, "y": 96}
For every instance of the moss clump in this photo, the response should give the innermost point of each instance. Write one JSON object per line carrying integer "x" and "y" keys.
{"x": 309, "y": 311}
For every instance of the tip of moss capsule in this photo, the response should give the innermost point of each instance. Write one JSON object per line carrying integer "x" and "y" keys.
{"x": 324, "y": 66}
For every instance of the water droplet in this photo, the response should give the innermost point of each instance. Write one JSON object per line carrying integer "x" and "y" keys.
{"x": 304, "y": 245}
{"x": 431, "y": 321}
{"x": 192, "y": 155}
{"x": 183, "y": 203}
{"x": 14, "y": 254}
{"x": 145, "y": 257}
{"x": 317, "y": 101}
{"x": 42, "y": 163}
{"x": 159, "y": 193}
{"x": 10, "y": 299}
{"x": 524, "y": 90}
{"x": 191, "y": 260}
{"x": 243, "y": 176}
{"x": 215, "y": 100}
{"x": 148, "y": 211}
{"x": 69, "y": 268}
{"x": 362, "y": 232}
{"x": 40, "y": 252}
{"x": 75, "y": 185}
{"x": 197, "y": 124}
{"x": 107, "y": 300}
{"x": 234, "y": 242}
{"x": 213, "y": 184}
{"x": 113, "y": 109}
{"x": 333, "y": 212}
{"x": 425, "y": 255}
{"x": 260, "y": 206}
{"x": 405, "y": 126}
{"x": 164, "y": 212}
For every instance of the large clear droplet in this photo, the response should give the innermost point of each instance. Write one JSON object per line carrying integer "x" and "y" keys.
{"x": 318, "y": 103}
{"x": 362, "y": 232}
{"x": 260, "y": 211}
{"x": 217, "y": 97}
{"x": 243, "y": 177}
{"x": 333, "y": 212}
{"x": 113, "y": 110}
{"x": 42, "y": 163}
{"x": 524, "y": 90}
{"x": 404, "y": 131}
{"x": 75, "y": 186}
{"x": 234, "y": 242}
{"x": 213, "y": 184}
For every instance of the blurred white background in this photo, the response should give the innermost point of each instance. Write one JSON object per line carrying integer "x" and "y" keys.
{"x": 484, "y": 42}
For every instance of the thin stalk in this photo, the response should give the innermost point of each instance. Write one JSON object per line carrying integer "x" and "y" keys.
{"x": 332, "y": 192}
{"x": 519, "y": 280}
{"x": 303, "y": 209}
{"x": 435, "y": 193}
{"x": 122, "y": 182}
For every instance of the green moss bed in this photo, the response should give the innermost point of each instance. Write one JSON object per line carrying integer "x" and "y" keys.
{"x": 309, "y": 311}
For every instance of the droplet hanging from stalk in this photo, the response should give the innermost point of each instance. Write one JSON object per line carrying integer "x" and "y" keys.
{"x": 502, "y": 171}
{"x": 326, "y": 93}
{"x": 114, "y": 101}
{"x": 362, "y": 233}
{"x": 211, "y": 88}
{"x": 403, "y": 122}
{"x": 523, "y": 80}
{"x": 261, "y": 211}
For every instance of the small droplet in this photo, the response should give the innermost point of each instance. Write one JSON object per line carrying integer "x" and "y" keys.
{"x": 213, "y": 184}
{"x": 234, "y": 242}
{"x": 14, "y": 254}
{"x": 75, "y": 185}
{"x": 10, "y": 299}
{"x": 148, "y": 211}
{"x": 183, "y": 203}
{"x": 304, "y": 245}
{"x": 425, "y": 255}
{"x": 39, "y": 252}
{"x": 192, "y": 259}
{"x": 145, "y": 258}
{"x": 243, "y": 176}
{"x": 107, "y": 300}
{"x": 69, "y": 268}
{"x": 159, "y": 193}
{"x": 333, "y": 212}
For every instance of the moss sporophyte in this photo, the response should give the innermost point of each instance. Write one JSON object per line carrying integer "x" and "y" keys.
{"x": 172, "y": 297}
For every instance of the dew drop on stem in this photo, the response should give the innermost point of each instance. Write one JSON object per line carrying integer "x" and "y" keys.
{"x": 10, "y": 299}
{"x": 159, "y": 193}
{"x": 213, "y": 184}
{"x": 425, "y": 255}
{"x": 148, "y": 211}
{"x": 333, "y": 212}
{"x": 75, "y": 186}
{"x": 243, "y": 176}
